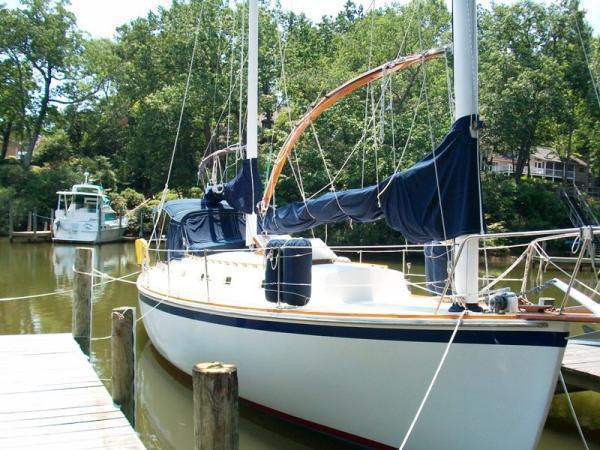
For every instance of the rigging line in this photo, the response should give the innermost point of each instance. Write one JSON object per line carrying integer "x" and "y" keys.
{"x": 228, "y": 102}
{"x": 217, "y": 60}
{"x": 572, "y": 410}
{"x": 241, "y": 76}
{"x": 365, "y": 126}
{"x": 475, "y": 87}
{"x": 587, "y": 62}
{"x": 391, "y": 108}
{"x": 326, "y": 168}
{"x": 231, "y": 64}
{"x": 449, "y": 84}
{"x": 412, "y": 125}
{"x": 410, "y": 19}
{"x": 349, "y": 157}
{"x": 431, "y": 138}
{"x": 369, "y": 92}
{"x": 185, "y": 94}
{"x": 297, "y": 178}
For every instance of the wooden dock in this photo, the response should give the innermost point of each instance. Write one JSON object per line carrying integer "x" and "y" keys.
{"x": 581, "y": 367}
{"x": 31, "y": 235}
{"x": 51, "y": 398}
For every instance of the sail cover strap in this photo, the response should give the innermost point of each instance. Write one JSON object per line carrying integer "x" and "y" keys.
{"x": 408, "y": 200}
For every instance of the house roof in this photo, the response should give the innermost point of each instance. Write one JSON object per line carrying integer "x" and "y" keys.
{"x": 549, "y": 154}
{"x": 501, "y": 159}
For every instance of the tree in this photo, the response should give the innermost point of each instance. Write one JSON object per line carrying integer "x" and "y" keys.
{"x": 40, "y": 39}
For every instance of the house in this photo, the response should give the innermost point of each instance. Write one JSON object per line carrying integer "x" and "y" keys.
{"x": 544, "y": 162}
{"x": 13, "y": 149}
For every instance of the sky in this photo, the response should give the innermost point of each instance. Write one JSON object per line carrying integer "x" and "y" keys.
{"x": 100, "y": 18}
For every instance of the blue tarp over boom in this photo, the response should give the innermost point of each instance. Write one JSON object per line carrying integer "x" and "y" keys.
{"x": 408, "y": 200}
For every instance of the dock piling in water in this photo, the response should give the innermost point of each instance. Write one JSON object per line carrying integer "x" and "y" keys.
{"x": 82, "y": 298}
{"x": 216, "y": 409}
{"x": 123, "y": 360}
{"x": 11, "y": 219}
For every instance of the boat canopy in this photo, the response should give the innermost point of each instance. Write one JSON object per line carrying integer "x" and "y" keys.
{"x": 409, "y": 201}
{"x": 196, "y": 226}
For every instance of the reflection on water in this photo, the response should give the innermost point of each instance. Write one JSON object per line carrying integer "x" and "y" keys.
{"x": 165, "y": 414}
{"x": 164, "y": 395}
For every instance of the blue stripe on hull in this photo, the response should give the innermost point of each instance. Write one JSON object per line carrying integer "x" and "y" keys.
{"x": 484, "y": 336}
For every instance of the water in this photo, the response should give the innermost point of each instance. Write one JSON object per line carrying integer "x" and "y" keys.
{"x": 164, "y": 404}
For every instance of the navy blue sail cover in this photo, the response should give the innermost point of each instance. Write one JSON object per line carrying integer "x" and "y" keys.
{"x": 243, "y": 192}
{"x": 408, "y": 200}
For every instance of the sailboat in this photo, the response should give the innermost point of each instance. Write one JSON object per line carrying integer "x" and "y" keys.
{"x": 84, "y": 214}
{"x": 345, "y": 347}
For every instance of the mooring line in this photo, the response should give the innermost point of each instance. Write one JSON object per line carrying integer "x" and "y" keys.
{"x": 437, "y": 372}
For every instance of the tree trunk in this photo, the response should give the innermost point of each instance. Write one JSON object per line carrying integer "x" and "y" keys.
{"x": 39, "y": 121}
{"x": 6, "y": 138}
{"x": 522, "y": 158}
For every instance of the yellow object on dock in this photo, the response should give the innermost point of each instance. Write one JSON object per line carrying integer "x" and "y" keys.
{"x": 51, "y": 398}
{"x": 141, "y": 251}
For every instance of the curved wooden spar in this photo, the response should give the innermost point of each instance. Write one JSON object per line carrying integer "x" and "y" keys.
{"x": 329, "y": 100}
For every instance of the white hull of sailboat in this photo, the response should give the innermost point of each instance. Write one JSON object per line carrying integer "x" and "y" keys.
{"x": 364, "y": 381}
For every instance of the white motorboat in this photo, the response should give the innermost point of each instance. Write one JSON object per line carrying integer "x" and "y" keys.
{"x": 84, "y": 215}
{"x": 346, "y": 347}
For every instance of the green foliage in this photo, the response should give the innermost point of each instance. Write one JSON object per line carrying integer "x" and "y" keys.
{"x": 123, "y": 100}
{"x": 54, "y": 149}
{"x": 532, "y": 204}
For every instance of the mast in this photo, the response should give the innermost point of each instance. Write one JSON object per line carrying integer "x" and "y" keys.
{"x": 252, "y": 113}
{"x": 464, "y": 28}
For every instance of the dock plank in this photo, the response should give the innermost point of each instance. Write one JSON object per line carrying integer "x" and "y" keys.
{"x": 581, "y": 366}
{"x": 51, "y": 398}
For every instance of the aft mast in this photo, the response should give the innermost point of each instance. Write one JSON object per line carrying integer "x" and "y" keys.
{"x": 252, "y": 120}
{"x": 464, "y": 25}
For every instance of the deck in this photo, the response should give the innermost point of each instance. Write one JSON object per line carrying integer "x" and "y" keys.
{"x": 42, "y": 235}
{"x": 581, "y": 367}
{"x": 51, "y": 398}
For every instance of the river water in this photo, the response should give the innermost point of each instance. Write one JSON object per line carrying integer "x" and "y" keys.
{"x": 164, "y": 402}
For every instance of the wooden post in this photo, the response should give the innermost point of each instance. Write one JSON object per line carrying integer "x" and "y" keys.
{"x": 11, "y": 223}
{"x": 82, "y": 299}
{"x": 29, "y": 221}
{"x": 123, "y": 360}
{"x": 35, "y": 224}
{"x": 216, "y": 410}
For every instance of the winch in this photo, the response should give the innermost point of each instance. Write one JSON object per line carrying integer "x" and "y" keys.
{"x": 503, "y": 302}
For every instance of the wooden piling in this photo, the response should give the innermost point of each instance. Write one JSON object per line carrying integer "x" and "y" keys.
{"x": 123, "y": 360}
{"x": 11, "y": 220}
{"x": 216, "y": 410}
{"x": 35, "y": 224}
{"x": 141, "y": 223}
{"x": 82, "y": 298}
